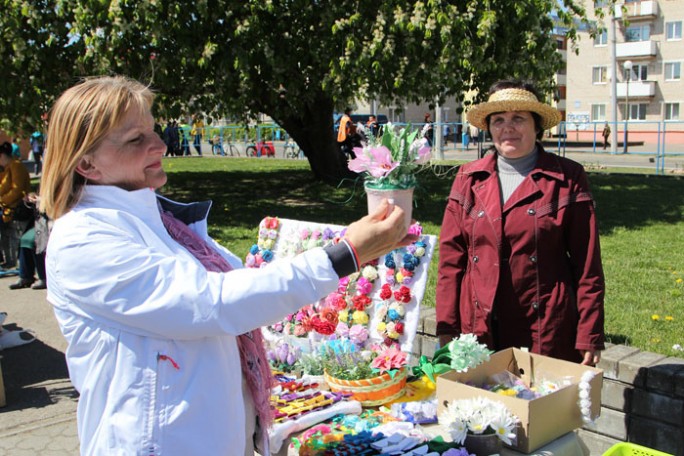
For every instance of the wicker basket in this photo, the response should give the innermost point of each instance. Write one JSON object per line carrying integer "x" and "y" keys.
{"x": 371, "y": 392}
{"x": 630, "y": 449}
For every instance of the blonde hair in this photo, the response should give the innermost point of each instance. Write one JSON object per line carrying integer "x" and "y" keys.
{"x": 79, "y": 120}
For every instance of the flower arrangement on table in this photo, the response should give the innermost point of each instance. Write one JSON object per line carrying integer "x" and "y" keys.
{"x": 461, "y": 354}
{"x": 478, "y": 416}
{"x": 283, "y": 357}
{"x": 373, "y": 377}
{"x": 396, "y": 292}
{"x": 262, "y": 252}
{"x": 391, "y": 160}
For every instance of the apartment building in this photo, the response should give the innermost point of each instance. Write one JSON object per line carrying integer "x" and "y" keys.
{"x": 649, "y": 55}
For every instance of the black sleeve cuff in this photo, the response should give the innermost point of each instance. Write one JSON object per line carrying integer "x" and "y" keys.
{"x": 342, "y": 258}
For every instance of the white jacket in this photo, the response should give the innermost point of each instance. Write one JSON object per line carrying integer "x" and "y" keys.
{"x": 132, "y": 302}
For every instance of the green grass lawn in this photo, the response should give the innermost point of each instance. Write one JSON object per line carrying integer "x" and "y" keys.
{"x": 641, "y": 219}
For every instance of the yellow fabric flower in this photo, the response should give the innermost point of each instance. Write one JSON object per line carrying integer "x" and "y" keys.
{"x": 343, "y": 315}
{"x": 360, "y": 317}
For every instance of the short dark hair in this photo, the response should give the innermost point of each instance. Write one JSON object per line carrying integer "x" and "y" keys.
{"x": 6, "y": 148}
{"x": 518, "y": 84}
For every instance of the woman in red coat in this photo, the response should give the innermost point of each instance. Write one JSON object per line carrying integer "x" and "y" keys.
{"x": 520, "y": 261}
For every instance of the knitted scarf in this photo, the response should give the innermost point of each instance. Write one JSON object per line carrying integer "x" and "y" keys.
{"x": 254, "y": 363}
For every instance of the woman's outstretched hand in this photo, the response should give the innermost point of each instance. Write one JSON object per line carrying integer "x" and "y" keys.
{"x": 379, "y": 233}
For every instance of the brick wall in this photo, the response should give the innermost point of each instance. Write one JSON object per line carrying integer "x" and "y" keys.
{"x": 642, "y": 400}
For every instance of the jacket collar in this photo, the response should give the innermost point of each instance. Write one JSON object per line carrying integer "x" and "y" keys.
{"x": 547, "y": 164}
{"x": 144, "y": 204}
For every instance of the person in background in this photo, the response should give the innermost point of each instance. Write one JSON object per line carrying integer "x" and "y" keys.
{"x": 519, "y": 257}
{"x": 465, "y": 136}
{"x": 346, "y": 133}
{"x": 16, "y": 150}
{"x": 606, "y": 134}
{"x": 171, "y": 140}
{"x": 446, "y": 131}
{"x": 428, "y": 132}
{"x": 37, "y": 142}
{"x": 373, "y": 125}
{"x": 162, "y": 323}
{"x": 32, "y": 250}
{"x": 196, "y": 133}
{"x": 15, "y": 183}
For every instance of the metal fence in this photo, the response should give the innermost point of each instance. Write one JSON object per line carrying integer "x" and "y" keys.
{"x": 656, "y": 145}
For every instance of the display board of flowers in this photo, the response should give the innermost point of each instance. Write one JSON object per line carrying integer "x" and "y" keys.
{"x": 378, "y": 305}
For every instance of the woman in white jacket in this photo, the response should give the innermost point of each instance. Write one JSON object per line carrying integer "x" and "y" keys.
{"x": 158, "y": 332}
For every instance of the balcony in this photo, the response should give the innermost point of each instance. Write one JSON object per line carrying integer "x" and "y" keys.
{"x": 638, "y": 10}
{"x": 637, "y": 89}
{"x": 636, "y": 50}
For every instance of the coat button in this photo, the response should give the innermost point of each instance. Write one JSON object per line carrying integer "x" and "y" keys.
{"x": 476, "y": 259}
{"x": 481, "y": 214}
{"x": 531, "y": 211}
{"x": 533, "y": 258}
{"x": 535, "y": 305}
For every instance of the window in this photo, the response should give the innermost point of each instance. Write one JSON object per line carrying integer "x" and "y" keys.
{"x": 598, "y": 112}
{"x": 638, "y": 33}
{"x": 673, "y": 71}
{"x": 601, "y": 39}
{"x": 636, "y": 111}
{"x": 673, "y": 30}
{"x": 599, "y": 75}
{"x": 639, "y": 73}
{"x": 671, "y": 111}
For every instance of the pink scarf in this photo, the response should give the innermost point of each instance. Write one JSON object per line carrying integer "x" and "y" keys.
{"x": 255, "y": 367}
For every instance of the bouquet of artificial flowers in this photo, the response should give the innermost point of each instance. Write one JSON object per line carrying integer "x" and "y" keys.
{"x": 478, "y": 416}
{"x": 391, "y": 160}
{"x": 461, "y": 354}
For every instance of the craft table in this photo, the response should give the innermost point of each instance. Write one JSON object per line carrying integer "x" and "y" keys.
{"x": 567, "y": 445}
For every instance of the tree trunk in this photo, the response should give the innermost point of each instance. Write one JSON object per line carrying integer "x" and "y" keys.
{"x": 312, "y": 130}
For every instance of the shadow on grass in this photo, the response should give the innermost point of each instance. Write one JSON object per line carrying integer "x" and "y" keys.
{"x": 633, "y": 201}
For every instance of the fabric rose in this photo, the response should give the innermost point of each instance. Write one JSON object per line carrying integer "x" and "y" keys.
{"x": 398, "y": 308}
{"x": 360, "y": 317}
{"x": 342, "y": 329}
{"x": 386, "y": 292}
{"x": 381, "y": 311}
{"x": 370, "y": 273}
{"x": 336, "y": 301}
{"x": 363, "y": 285}
{"x": 360, "y": 302}
{"x": 403, "y": 294}
{"x": 358, "y": 334}
{"x": 322, "y": 326}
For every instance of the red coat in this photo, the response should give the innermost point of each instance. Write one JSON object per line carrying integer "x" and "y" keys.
{"x": 529, "y": 275}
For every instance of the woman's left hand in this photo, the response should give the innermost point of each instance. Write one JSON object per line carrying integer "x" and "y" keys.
{"x": 590, "y": 357}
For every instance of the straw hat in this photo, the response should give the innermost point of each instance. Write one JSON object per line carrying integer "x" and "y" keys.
{"x": 513, "y": 100}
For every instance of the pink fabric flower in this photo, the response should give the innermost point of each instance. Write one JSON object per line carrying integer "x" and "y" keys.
{"x": 342, "y": 329}
{"x": 388, "y": 359}
{"x": 358, "y": 334}
{"x": 375, "y": 161}
{"x": 363, "y": 285}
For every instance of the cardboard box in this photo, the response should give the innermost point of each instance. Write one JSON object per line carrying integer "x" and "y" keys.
{"x": 542, "y": 420}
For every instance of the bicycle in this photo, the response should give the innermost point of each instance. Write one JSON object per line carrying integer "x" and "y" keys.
{"x": 291, "y": 149}
{"x": 261, "y": 148}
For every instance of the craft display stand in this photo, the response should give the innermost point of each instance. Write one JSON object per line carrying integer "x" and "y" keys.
{"x": 290, "y": 242}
